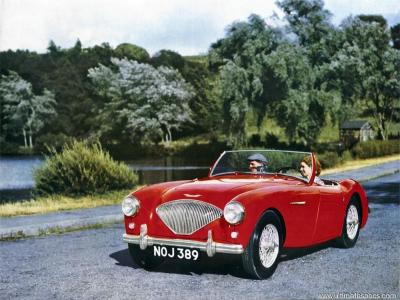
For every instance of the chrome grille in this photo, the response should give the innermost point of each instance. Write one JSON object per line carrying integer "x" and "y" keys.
{"x": 186, "y": 216}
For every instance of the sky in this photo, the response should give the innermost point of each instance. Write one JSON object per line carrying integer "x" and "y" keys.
{"x": 186, "y": 26}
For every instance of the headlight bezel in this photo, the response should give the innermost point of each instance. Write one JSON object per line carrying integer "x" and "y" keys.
{"x": 234, "y": 212}
{"x": 130, "y": 206}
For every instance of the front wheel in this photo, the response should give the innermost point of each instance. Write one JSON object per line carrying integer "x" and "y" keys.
{"x": 351, "y": 226}
{"x": 260, "y": 258}
{"x": 144, "y": 258}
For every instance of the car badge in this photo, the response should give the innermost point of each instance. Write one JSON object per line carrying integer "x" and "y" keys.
{"x": 191, "y": 195}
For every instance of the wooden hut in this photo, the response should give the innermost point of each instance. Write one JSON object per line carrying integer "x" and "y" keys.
{"x": 355, "y": 131}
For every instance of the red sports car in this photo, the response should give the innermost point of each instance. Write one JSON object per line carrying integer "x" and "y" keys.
{"x": 253, "y": 203}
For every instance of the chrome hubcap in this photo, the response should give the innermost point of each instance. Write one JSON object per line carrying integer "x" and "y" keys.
{"x": 269, "y": 245}
{"x": 352, "y": 222}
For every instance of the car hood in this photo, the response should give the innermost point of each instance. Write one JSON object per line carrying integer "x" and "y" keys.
{"x": 215, "y": 191}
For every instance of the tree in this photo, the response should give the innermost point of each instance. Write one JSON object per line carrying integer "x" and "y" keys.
{"x": 367, "y": 71}
{"x": 133, "y": 52}
{"x": 300, "y": 106}
{"x": 395, "y": 33}
{"x": 310, "y": 22}
{"x": 244, "y": 42}
{"x": 168, "y": 58}
{"x": 24, "y": 111}
{"x": 234, "y": 92}
{"x": 196, "y": 73}
{"x": 147, "y": 102}
{"x": 241, "y": 58}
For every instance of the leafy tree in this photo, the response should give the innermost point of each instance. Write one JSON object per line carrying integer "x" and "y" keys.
{"x": 66, "y": 75}
{"x": 244, "y": 42}
{"x": 243, "y": 52}
{"x": 292, "y": 79}
{"x": 310, "y": 22}
{"x": 373, "y": 18}
{"x": 23, "y": 111}
{"x": 235, "y": 90}
{"x": 147, "y": 102}
{"x": 195, "y": 72}
{"x": 395, "y": 33}
{"x": 132, "y": 52}
{"x": 366, "y": 71}
{"x": 168, "y": 58}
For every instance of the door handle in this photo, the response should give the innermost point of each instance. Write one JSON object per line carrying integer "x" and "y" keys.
{"x": 298, "y": 203}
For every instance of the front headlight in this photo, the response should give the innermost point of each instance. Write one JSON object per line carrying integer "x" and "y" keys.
{"x": 233, "y": 212}
{"x": 130, "y": 205}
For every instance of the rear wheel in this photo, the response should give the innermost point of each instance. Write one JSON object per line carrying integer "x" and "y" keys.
{"x": 260, "y": 258}
{"x": 144, "y": 258}
{"x": 351, "y": 225}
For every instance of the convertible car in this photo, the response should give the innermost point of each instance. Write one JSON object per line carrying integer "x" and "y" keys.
{"x": 253, "y": 204}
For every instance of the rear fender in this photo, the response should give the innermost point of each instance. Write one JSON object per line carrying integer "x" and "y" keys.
{"x": 351, "y": 188}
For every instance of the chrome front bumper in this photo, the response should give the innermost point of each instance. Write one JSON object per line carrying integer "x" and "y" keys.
{"x": 211, "y": 247}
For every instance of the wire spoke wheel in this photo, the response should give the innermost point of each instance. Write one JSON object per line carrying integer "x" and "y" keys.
{"x": 352, "y": 222}
{"x": 269, "y": 245}
{"x": 351, "y": 225}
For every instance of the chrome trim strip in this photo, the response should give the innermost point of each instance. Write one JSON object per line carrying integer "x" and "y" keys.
{"x": 143, "y": 236}
{"x": 298, "y": 203}
{"x": 192, "y": 195}
{"x": 210, "y": 247}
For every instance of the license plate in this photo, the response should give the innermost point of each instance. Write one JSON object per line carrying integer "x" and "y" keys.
{"x": 175, "y": 252}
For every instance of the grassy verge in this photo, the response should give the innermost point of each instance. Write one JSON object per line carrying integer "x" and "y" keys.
{"x": 60, "y": 203}
{"x": 361, "y": 163}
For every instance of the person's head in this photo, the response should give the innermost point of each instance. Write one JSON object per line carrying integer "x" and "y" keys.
{"x": 306, "y": 167}
{"x": 257, "y": 162}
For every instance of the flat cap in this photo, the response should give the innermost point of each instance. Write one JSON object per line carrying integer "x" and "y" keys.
{"x": 257, "y": 157}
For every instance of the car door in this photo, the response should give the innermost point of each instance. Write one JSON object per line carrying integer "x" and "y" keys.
{"x": 330, "y": 213}
{"x": 301, "y": 210}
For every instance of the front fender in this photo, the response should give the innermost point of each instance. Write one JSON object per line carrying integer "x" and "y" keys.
{"x": 149, "y": 198}
{"x": 256, "y": 204}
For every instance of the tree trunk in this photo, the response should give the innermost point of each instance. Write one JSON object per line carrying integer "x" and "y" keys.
{"x": 25, "y": 142}
{"x": 169, "y": 135}
{"x": 381, "y": 126}
{"x": 379, "y": 116}
{"x": 30, "y": 141}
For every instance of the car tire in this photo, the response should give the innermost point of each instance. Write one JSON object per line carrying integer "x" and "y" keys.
{"x": 351, "y": 225}
{"x": 260, "y": 258}
{"x": 144, "y": 258}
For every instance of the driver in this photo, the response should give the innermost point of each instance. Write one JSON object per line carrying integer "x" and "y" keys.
{"x": 257, "y": 163}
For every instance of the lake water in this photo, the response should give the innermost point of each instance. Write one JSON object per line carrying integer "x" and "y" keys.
{"x": 16, "y": 173}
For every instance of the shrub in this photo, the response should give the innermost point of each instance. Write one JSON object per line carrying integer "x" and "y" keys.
{"x": 81, "y": 169}
{"x": 328, "y": 159}
{"x": 346, "y": 156}
{"x": 255, "y": 140}
{"x": 376, "y": 148}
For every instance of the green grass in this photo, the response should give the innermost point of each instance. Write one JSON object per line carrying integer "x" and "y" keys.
{"x": 60, "y": 203}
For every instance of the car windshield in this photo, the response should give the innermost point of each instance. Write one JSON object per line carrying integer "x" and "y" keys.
{"x": 260, "y": 162}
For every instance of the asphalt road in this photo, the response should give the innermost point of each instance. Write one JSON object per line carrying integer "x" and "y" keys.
{"x": 94, "y": 264}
